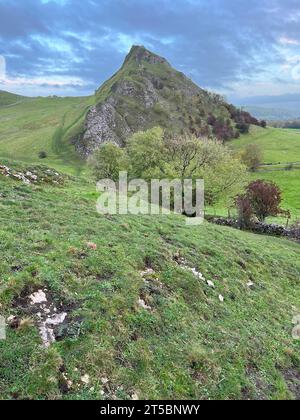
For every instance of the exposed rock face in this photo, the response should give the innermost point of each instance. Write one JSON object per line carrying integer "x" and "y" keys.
{"x": 144, "y": 93}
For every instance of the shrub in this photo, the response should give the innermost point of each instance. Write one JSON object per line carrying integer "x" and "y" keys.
{"x": 263, "y": 123}
{"x": 42, "y": 155}
{"x": 252, "y": 156}
{"x": 243, "y": 127}
{"x": 245, "y": 211}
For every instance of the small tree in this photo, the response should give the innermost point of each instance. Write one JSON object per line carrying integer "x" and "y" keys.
{"x": 265, "y": 198}
{"x": 252, "y": 156}
{"x": 108, "y": 161}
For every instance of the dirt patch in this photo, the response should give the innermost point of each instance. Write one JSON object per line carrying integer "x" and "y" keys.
{"x": 292, "y": 379}
{"x": 258, "y": 388}
{"x": 51, "y": 315}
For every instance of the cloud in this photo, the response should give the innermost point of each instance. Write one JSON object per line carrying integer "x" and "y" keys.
{"x": 221, "y": 44}
{"x": 2, "y": 68}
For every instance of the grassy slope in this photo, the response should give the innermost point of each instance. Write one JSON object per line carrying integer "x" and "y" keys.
{"x": 190, "y": 345}
{"x": 279, "y": 146}
{"x": 8, "y": 99}
{"x": 37, "y": 124}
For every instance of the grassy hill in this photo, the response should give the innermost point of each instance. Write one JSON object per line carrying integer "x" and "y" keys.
{"x": 139, "y": 323}
{"x": 280, "y": 147}
{"x": 8, "y": 99}
{"x": 30, "y": 126}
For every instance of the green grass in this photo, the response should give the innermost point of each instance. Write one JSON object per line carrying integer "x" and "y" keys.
{"x": 189, "y": 345}
{"x": 43, "y": 124}
{"x": 8, "y": 99}
{"x": 279, "y": 146}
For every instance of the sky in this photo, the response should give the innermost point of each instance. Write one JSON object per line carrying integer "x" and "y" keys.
{"x": 239, "y": 48}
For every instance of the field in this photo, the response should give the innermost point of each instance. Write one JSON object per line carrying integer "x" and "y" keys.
{"x": 280, "y": 147}
{"x": 140, "y": 324}
{"x": 32, "y": 125}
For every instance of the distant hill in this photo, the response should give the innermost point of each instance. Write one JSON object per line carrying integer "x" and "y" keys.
{"x": 273, "y": 114}
{"x": 148, "y": 92}
{"x": 7, "y": 98}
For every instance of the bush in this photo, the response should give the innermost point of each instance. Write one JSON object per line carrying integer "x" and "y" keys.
{"x": 252, "y": 156}
{"x": 245, "y": 211}
{"x": 42, "y": 155}
{"x": 243, "y": 127}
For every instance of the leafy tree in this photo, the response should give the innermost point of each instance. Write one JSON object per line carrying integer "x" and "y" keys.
{"x": 153, "y": 155}
{"x": 252, "y": 156}
{"x": 108, "y": 161}
{"x": 265, "y": 198}
{"x": 225, "y": 178}
{"x": 146, "y": 151}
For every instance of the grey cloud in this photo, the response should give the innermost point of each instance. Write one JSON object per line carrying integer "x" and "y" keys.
{"x": 216, "y": 42}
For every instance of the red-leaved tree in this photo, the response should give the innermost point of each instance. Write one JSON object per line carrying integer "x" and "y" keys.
{"x": 265, "y": 198}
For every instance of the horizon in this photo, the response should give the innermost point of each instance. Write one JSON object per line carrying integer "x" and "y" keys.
{"x": 65, "y": 48}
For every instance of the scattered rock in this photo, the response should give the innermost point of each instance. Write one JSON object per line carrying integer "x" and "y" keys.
{"x": 296, "y": 329}
{"x": 49, "y": 319}
{"x": 143, "y": 304}
{"x": 13, "y": 322}
{"x": 184, "y": 264}
{"x": 104, "y": 380}
{"x": 36, "y": 175}
{"x": 85, "y": 379}
{"x": 91, "y": 245}
{"x": 38, "y": 297}
{"x": 147, "y": 272}
{"x": 221, "y": 298}
{"x": 135, "y": 397}
{"x": 210, "y": 283}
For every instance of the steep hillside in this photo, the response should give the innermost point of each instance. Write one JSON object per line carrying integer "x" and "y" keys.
{"x": 138, "y": 320}
{"x": 148, "y": 92}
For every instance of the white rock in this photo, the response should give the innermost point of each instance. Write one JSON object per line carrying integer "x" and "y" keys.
{"x": 47, "y": 334}
{"x": 38, "y": 297}
{"x": 147, "y": 272}
{"x": 143, "y": 304}
{"x": 221, "y": 298}
{"x": 210, "y": 283}
{"x": 85, "y": 379}
{"x": 56, "y": 319}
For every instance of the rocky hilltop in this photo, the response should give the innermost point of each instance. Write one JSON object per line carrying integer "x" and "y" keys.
{"x": 148, "y": 92}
